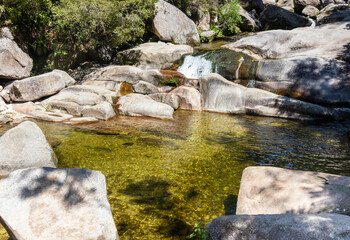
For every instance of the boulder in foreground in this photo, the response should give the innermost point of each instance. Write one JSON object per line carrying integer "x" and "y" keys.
{"x": 25, "y": 146}
{"x": 56, "y": 204}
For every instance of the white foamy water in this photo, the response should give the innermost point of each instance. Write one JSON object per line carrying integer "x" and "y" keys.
{"x": 195, "y": 66}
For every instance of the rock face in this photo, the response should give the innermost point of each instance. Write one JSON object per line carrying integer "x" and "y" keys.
{"x": 25, "y": 146}
{"x": 190, "y": 98}
{"x": 158, "y": 55}
{"x": 172, "y": 25}
{"x": 129, "y": 74}
{"x": 283, "y": 226}
{"x": 143, "y": 105}
{"x": 274, "y": 17}
{"x": 40, "y": 86}
{"x": 221, "y": 95}
{"x": 271, "y": 190}
{"x": 317, "y": 80}
{"x": 14, "y": 63}
{"x": 47, "y": 203}
{"x": 329, "y": 41}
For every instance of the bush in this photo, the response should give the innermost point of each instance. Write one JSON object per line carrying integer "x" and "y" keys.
{"x": 229, "y": 18}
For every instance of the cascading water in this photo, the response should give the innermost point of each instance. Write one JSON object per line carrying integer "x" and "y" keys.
{"x": 195, "y": 66}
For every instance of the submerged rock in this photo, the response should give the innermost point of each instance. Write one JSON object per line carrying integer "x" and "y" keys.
{"x": 14, "y": 63}
{"x": 171, "y": 24}
{"x": 40, "y": 86}
{"x": 221, "y": 95}
{"x": 158, "y": 55}
{"x": 142, "y": 105}
{"x": 281, "y": 226}
{"x": 25, "y": 146}
{"x": 47, "y": 203}
{"x": 267, "y": 190}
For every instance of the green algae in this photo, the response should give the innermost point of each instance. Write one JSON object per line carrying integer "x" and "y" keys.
{"x": 165, "y": 176}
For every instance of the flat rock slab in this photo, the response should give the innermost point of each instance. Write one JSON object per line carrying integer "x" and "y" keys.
{"x": 157, "y": 55}
{"x": 271, "y": 190}
{"x": 25, "y": 146}
{"x": 281, "y": 226}
{"x": 142, "y": 105}
{"x": 48, "y": 203}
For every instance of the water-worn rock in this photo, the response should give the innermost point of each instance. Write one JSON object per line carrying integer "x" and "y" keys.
{"x": 310, "y": 11}
{"x": 172, "y": 25}
{"x": 190, "y": 98}
{"x": 328, "y": 40}
{"x": 267, "y": 190}
{"x": 142, "y": 105}
{"x": 281, "y": 226}
{"x": 14, "y": 63}
{"x": 204, "y": 22}
{"x": 129, "y": 74}
{"x": 158, "y": 55}
{"x": 286, "y": 4}
{"x": 208, "y": 36}
{"x": 145, "y": 88}
{"x": 47, "y": 203}
{"x": 317, "y": 80}
{"x": 168, "y": 98}
{"x": 102, "y": 111}
{"x": 274, "y": 17}
{"x": 25, "y": 146}
{"x": 250, "y": 5}
{"x": 40, "y": 86}
{"x": 301, "y": 4}
{"x": 333, "y": 13}
{"x": 82, "y": 120}
{"x": 268, "y": 2}
{"x": 221, "y": 95}
{"x": 249, "y": 22}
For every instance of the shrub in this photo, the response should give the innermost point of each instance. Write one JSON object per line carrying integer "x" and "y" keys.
{"x": 229, "y": 17}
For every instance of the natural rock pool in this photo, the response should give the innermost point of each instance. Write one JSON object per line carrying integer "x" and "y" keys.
{"x": 164, "y": 176}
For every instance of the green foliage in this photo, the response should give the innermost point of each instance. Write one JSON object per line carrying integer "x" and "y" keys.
{"x": 199, "y": 231}
{"x": 229, "y": 17}
{"x": 171, "y": 82}
{"x": 101, "y": 22}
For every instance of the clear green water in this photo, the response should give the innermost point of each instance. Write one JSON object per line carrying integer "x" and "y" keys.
{"x": 164, "y": 176}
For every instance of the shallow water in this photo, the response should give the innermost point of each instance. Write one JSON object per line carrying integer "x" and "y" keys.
{"x": 164, "y": 176}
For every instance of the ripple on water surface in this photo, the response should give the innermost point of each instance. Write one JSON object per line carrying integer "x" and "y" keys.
{"x": 164, "y": 176}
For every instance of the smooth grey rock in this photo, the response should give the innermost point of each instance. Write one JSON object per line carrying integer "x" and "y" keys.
{"x": 317, "y": 80}
{"x": 158, "y": 55}
{"x": 55, "y": 204}
{"x": 301, "y": 4}
{"x": 204, "y": 22}
{"x": 14, "y": 63}
{"x": 82, "y": 120}
{"x": 110, "y": 85}
{"x": 281, "y": 226}
{"x": 274, "y": 17}
{"x": 145, "y": 88}
{"x": 102, "y": 111}
{"x": 25, "y": 146}
{"x": 142, "y": 105}
{"x": 250, "y": 5}
{"x": 190, "y": 98}
{"x": 268, "y": 2}
{"x": 208, "y": 36}
{"x": 328, "y": 41}
{"x": 310, "y": 11}
{"x": 40, "y": 86}
{"x": 271, "y": 190}
{"x": 286, "y": 4}
{"x": 168, "y": 98}
{"x": 221, "y": 95}
{"x": 172, "y": 25}
{"x": 128, "y": 74}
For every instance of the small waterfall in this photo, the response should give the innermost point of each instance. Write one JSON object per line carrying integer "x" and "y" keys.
{"x": 195, "y": 66}
{"x": 313, "y": 23}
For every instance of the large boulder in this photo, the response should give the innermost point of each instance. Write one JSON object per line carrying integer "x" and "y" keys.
{"x": 102, "y": 111}
{"x": 301, "y": 4}
{"x": 40, "y": 86}
{"x": 158, "y": 55}
{"x": 271, "y": 190}
{"x": 317, "y": 80}
{"x": 142, "y": 105}
{"x": 14, "y": 63}
{"x": 274, "y": 17}
{"x": 310, "y": 11}
{"x": 168, "y": 98}
{"x": 145, "y": 88}
{"x": 129, "y": 74}
{"x": 250, "y": 5}
{"x": 333, "y": 13}
{"x": 221, "y": 95}
{"x": 190, "y": 98}
{"x": 249, "y": 22}
{"x": 328, "y": 40}
{"x": 25, "y": 146}
{"x": 47, "y": 203}
{"x": 281, "y": 226}
{"x": 172, "y": 25}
